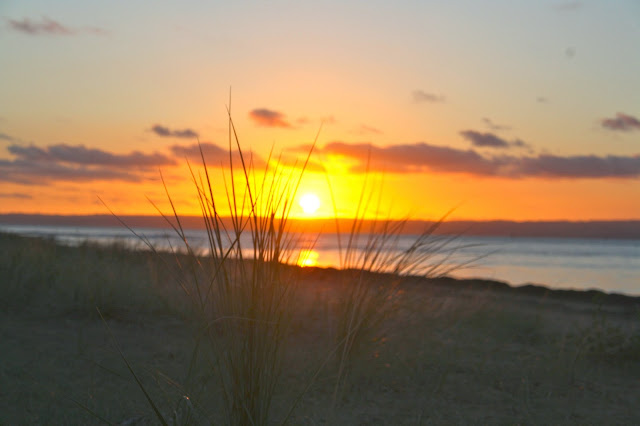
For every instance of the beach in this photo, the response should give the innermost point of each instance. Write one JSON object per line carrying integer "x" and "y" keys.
{"x": 446, "y": 351}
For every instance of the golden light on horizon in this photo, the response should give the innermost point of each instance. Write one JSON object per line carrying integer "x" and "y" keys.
{"x": 308, "y": 258}
{"x": 310, "y": 203}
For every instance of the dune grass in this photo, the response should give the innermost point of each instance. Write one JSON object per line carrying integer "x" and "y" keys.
{"x": 371, "y": 246}
{"x": 242, "y": 294}
{"x": 40, "y": 274}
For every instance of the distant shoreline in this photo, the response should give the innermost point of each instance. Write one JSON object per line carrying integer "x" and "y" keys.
{"x": 475, "y": 284}
{"x": 620, "y": 229}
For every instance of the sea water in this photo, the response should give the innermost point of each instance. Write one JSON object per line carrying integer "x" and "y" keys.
{"x": 610, "y": 265}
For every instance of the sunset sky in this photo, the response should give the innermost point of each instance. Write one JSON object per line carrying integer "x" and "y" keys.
{"x": 519, "y": 110}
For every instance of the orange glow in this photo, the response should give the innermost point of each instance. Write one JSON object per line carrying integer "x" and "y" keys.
{"x": 418, "y": 196}
{"x": 308, "y": 258}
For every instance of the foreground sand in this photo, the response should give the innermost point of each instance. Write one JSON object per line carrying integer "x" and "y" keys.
{"x": 452, "y": 352}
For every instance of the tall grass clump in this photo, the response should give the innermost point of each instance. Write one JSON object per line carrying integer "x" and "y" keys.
{"x": 240, "y": 291}
{"x": 374, "y": 258}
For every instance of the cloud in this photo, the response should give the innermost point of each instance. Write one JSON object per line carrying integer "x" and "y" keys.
{"x": 569, "y": 6}
{"x": 96, "y": 31}
{"x": 166, "y": 132}
{"x": 422, "y": 157}
{"x": 298, "y": 162}
{"x": 323, "y": 121}
{"x": 570, "y": 52}
{"x": 18, "y": 195}
{"x": 581, "y": 166}
{"x": 489, "y": 140}
{"x": 484, "y": 139}
{"x": 542, "y": 100}
{"x": 46, "y": 26}
{"x": 408, "y": 158}
{"x": 216, "y": 156}
{"x": 34, "y": 165}
{"x": 367, "y": 130}
{"x": 32, "y": 173}
{"x": 493, "y": 126}
{"x": 6, "y": 137}
{"x": 329, "y": 119}
{"x": 81, "y": 155}
{"x": 621, "y": 123}
{"x": 420, "y": 96}
{"x": 269, "y": 118}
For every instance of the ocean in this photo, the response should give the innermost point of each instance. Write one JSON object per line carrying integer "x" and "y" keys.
{"x": 610, "y": 265}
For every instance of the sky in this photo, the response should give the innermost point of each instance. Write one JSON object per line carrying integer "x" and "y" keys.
{"x": 516, "y": 110}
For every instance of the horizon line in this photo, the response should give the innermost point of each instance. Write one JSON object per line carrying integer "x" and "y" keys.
{"x": 596, "y": 228}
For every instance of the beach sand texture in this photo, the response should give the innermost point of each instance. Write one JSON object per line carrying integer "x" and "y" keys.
{"x": 449, "y": 352}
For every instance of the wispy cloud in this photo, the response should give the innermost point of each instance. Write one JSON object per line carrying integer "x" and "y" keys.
{"x": 167, "y": 132}
{"x": 15, "y": 195}
{"x": 34, "y": 165}
{"x": 494, "y": 126}
{"x": 81, "y": 155}
{"x": 46, "y": 26}
{"x": 490, "y": 140}
{"x": 579, "y": 166}
{"x": 621, "y": 123}
{"x": 422, "y": 157}
{"x": 36, "y": 172}
{"x": 569, "y": 6}
{"x": 570, "y": 52}
{"x": 542, "y": 100}
{"x": 214, "y": 155}
{"x": 484, "y": 139}
{"x": 420, "y": 96}
{"x": 6, "y": 137}
{"x": 409, "y": 158}
{"x": 367, "y": 130}
{"x": 329, "y": 119}
{"x": 304, "y": 120}
{"x": 269, "y": 118}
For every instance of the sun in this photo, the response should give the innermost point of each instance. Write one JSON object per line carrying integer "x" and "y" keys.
{"x": 310, "y": 203}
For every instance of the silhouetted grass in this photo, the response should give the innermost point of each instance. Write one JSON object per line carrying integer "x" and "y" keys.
{"x": 242, "y": 293}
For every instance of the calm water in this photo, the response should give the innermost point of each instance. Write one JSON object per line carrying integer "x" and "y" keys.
{"x": 606, "y": 264}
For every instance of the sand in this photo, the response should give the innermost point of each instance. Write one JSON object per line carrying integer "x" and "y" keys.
{"x": 451, "y": 352}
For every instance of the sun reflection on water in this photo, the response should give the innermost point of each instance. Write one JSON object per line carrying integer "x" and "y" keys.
{"x": 308, "y": 257}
